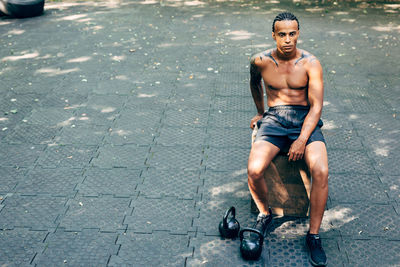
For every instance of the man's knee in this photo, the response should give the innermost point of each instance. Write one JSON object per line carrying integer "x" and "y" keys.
{"x": 320, "y": 175}
{"x": 255, "y": 171}
{"x": 261, "y": 154}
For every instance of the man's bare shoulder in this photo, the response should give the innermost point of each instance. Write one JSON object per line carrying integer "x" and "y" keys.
{"x": 262, "y": 58}
{"x": 308, "y": 59}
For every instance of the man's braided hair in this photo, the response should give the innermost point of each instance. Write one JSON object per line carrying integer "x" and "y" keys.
{"x": 285, "y": 16}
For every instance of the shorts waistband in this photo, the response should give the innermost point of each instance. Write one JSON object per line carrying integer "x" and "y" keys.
{"x": 289, "y": 107}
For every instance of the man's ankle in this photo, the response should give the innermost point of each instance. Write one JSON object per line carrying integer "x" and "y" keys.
{"x": 263, "y": 214}
{"x": 313, "y": 232}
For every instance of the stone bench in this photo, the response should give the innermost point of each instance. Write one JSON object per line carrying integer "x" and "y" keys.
{"x": 289, "y": 185}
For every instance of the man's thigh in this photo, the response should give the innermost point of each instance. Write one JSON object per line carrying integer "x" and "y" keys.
{"x": 316, "y": 157}
{"x": 261, "y": 155}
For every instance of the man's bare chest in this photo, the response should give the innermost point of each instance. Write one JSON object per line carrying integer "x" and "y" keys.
{"x": 285, "y": 76}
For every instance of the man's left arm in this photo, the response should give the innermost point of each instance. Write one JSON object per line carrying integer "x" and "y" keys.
{"x": 315, "y": 98}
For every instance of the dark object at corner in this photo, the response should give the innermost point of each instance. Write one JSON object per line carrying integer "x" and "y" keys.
{"x": 229, "y": 229}
{"x": 22, "y": 8}
{"x": 251, "y": 248}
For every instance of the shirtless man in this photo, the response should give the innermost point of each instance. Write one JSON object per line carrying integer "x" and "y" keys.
{"x": 294, "y": 87}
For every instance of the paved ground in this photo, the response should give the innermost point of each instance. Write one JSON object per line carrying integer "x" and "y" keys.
{"x": 124, "y": 132}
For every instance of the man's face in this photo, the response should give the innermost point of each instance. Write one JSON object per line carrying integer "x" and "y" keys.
{"x": 285, "y": 35}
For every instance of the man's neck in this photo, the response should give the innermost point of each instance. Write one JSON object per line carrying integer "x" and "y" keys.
{"x": 284, "y": 56}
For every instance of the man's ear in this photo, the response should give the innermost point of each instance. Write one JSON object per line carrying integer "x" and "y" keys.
{"x": 273, "y": 36}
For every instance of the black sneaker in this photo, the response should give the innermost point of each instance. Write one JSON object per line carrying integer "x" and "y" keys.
{"x": 263, "y": 223}
{"x": 316, "y": 254}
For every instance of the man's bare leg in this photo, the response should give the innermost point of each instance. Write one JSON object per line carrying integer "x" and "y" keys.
{"x": 261, "y": 155}
{"x": 317, "y": 161}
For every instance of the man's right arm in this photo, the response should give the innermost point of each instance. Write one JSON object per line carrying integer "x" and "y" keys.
{"x": 256, "y": 87}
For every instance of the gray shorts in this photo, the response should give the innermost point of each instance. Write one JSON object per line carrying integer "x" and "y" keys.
{"x": 281, "y": 125}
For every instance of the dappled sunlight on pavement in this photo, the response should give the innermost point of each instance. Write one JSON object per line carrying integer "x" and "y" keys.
{"x": 124, "y": 131}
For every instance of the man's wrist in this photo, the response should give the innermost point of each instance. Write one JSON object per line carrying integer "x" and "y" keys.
{"x": 302, "y": 139}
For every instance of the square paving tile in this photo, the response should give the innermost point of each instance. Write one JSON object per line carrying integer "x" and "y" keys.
{"x": 181, "y": 183}
{"x": 105, "y": 213}
{"x": 131, "y": 134}
{"x": 139, "y": 101}
{"x": 364, "y": 252}
{"x": 176, "y": 157}
{"x": 156, "y": 249}
{"x": 115, "y": 181}
{"x": 19, "y": 246}
{"x": 225, "y": 185}
{"x": 87, "y": 116}
{"x": 222, "y": 159}
{"x": 186, "y": 117}
{"x": 74, "y": 156}
{"x": 35, "y": 212}
{"x": 142, "y": 119}
{"x": 166, "y": 214}
{"x": 31, "y": 134}
{"x": 185, "y": 135}
{"x": 51, "y": 117}
{"x": 127, "y": 156}
{"x": 235, "y": 119}
{"x": 21, "y": 155}
{"x": 9, "y": 178}
{"x": 349, "y": 161}
{"x": 229, "y": 137}
{"x": 356, "y": 188}
{"x": 199, "y": 101}
{"x": 354, "y": 220}
{"x": 342, "y": 139}
{"x": 87, "y": 248}
{"x": 81, "y": 134}
{"x": 57, "y": 182}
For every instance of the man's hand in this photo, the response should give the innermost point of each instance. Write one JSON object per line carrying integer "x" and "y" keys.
{"x": 297, "y": 149}
{"x": 255, "y": 119}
